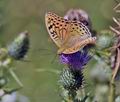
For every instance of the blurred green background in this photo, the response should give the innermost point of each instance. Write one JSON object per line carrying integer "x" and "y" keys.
{"x": 19, "y": 15}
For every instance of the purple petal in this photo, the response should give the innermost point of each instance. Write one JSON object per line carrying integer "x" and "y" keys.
{"x": 77, "y": 60}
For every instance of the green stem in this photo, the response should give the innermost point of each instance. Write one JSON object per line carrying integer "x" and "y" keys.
{"x": 111, "y": 96}
{"x": 15, "y": 77}
{"x": 1, "y": 71}
{"x": 49, "y": 70}
{"x": 72, "y": 95}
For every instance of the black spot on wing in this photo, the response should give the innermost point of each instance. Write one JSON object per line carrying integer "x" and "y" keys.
{"x": 54, "y": 35}
{"x": 50, "y": 27}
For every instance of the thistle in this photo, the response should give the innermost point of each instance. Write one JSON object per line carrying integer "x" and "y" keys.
{"x": 80, "y": 16}
{"x": 71, "y": 80}
{"x": 15, "y": 51}
{"x": 72, "y": 77}
{"x": 19, "y": 47}
{"x": 76, "y": 61}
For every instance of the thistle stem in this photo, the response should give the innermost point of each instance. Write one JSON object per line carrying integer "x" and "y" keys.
{"x": 112, "y": 84}
{"x": 15, "y": 77}
{"x": 49, "y": 70}
{"x": 72, "y": 95}
{"x": 111, "y": 96}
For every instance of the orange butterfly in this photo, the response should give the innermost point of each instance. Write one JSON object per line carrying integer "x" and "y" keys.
{"x": 68, "y": 35}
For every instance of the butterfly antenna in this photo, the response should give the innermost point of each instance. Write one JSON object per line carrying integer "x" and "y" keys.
{"x": 46, "y": 51}
{"x": 50, "y": 52}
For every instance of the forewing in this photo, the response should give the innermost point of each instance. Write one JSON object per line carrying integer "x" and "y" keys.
{"x": 57, "y": 28}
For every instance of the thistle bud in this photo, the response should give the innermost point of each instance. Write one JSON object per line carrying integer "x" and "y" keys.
{"x": 71, "y": 80}
{"x": 19, "y": 47}
{"x": 105, "y": 40}
{"x": 101, "y": 73}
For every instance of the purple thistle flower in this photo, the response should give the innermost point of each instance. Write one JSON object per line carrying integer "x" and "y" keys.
{"x": 80, "y": 16}
{"x": 75, "y": 61}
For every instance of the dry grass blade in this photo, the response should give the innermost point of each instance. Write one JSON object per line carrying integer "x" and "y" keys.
{"x": 115, "y": 31}
{"x": 117, "y": 64}
{"x": 116, "y": 8}
{"x": 116, "y": 21}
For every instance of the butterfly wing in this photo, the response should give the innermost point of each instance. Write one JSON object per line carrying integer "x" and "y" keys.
{"x": 57, "y": 28}
{"x": 79, "y": 45}
{"x": 78, "y": 28}
{"x": 69, "y": 36}
{"x": 77, "y": 33}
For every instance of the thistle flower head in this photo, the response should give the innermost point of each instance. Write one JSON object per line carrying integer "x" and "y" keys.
{"x": 75, "y": 61}
{"x": 70, "y": 79}
{"x": 78, "y": 15}
{"x": 19, "y": 47}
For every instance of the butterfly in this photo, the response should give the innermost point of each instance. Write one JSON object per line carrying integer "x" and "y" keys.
{"x": 69, "y": 36}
